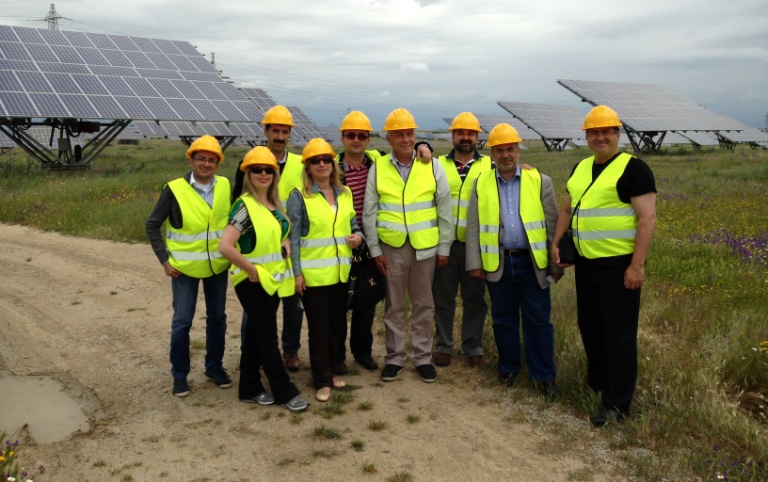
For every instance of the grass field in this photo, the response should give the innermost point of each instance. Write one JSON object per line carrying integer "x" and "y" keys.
{"x": 701, "y": 401}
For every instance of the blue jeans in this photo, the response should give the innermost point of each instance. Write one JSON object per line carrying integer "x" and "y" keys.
{"x": 518, "y": 292}
{"x": 293, "y": 314}
{"x": 184, "y": 302}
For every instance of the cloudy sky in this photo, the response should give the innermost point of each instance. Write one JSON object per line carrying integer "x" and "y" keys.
{"x": 440, "y": 57}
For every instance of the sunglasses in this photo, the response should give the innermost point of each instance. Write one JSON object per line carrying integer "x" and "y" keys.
{"x": 361, "y": 136}
{"x": 317, "y": 160}
{"x": 259, "y": 170}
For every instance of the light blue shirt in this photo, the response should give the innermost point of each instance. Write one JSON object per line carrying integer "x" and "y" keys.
{"x": 509, "y": 193}
{"x": 204, "y": 190}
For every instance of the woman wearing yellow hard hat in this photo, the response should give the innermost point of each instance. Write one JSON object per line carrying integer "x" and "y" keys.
{"x": 324, "y": 233}
{"x": 256, "y": 243}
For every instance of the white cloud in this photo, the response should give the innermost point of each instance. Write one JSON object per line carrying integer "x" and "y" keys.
{"x": 420, "y": 67}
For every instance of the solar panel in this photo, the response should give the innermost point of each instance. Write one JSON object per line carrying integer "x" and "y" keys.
{"x": 98, "y": 76}
{"x": 489, "y": 121}
{"x": 649, "y": 107}
{"x": 748, "y": 135}
{"x": 550, "y": 121}
{"x": 307, "y": 126}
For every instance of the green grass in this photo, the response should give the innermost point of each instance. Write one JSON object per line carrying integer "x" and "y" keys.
{"x": 701, "y": 395}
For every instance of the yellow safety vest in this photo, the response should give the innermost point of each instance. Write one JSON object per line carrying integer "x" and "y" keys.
{"x": 461, "y": 190}
{"x": 194, "y": 249}
{"x": 604, "y": 225}
{"x": 290, "y": 178}
{"x": 531, "y": 213}
{"x": 326, "y": 258}
{"x": 407, "y": 209}
{"x": 275, "y": 273}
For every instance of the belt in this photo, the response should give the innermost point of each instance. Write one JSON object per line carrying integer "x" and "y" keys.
{"x": 517, "y": 252}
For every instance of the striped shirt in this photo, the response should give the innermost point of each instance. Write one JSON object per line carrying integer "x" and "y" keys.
{"x": 356, "y": 178}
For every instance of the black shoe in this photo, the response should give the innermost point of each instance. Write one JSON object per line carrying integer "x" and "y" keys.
{"x": 340, "y": 369}
{"x": 219, "y": 377}
{"x": 390, "y": 372}
{"x": 549, "y": 390}
{"x": 368, "y": 363}
{"x": 180, "y": 387}
{"x": 507, "y": 379}
{"x": 427, "y": 373}
{"x": 607, "y": 416}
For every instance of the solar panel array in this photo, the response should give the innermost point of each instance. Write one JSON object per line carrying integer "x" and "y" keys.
{"x": 259, "y": 98}
{"x": 305, "y": 128}
{"x": 700, "y": 138}
{"x": 649, "y": 107}
{"x": 171, "y": 129}
{"x": 749, "y": 134}
{"x": 550, "y": 121}
{"x": 60, "y": 74}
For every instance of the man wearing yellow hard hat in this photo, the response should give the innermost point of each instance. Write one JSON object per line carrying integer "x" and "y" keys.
{"x": 610, "y": 205}
{"x": 196, "y": 208}
{"x": 462, "y": 166}
{"x": 408, "y": 224}
{"x": 354, "y": 163}
{"x": 510, "y": 224}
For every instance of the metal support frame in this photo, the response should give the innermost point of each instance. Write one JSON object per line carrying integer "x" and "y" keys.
{"x": 643, "y": 141}
{"x": 66, "y": 157}
{"x": 725, "y": 143}
{"x": 558, "y": 145}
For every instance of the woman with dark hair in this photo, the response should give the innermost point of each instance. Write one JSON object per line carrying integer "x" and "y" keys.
{"x": 256, "y": 243}
{"x": 325, "y": 232}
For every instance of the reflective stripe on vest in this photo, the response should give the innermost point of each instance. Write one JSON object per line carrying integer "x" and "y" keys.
{"x": 603, "y": 225}
{"x": 326, "y": 258}
{"x": 194, "y": 248}
{"x": 407, "y": 209}
{"x": 461, "y": 190}
{"x": 290, "y": 178}
{"x": 531, "y": 214}
{"x": 275, "y": 273}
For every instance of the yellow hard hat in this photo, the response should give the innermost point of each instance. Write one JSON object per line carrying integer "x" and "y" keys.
{"x": 601, "y": 116}
{"x": 258, "y": 156}
{"x": 465, "y": 120}
{"x": 399, "y": 119}
{"x": 356, "y": 120}
{"x": 205, "y": 143}
{"x": 316, "y": 147}
{"x": 503, "y": 134}
{"x": 278, "y": 114}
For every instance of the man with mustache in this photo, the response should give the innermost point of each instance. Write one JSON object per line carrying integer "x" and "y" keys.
{"x": 462, "y": 166}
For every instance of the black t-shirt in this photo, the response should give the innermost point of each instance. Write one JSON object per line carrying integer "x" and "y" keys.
{"x": 636, "y": 180}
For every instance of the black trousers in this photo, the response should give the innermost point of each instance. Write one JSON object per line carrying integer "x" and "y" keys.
{"x": 260, "y": 348}
{"x": 326, "y": 310}
{"x": 608, "y": 317}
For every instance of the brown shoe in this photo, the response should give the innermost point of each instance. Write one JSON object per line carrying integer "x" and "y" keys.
{"x": 442, "y": 359}
{"x": 292, "y": 362}
{"x": 476, "y": 360}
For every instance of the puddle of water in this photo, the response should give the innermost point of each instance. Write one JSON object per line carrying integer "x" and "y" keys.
{"x": 40, "y": 402}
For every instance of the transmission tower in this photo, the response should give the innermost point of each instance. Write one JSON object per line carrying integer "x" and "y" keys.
{"x": 53, "y": 18}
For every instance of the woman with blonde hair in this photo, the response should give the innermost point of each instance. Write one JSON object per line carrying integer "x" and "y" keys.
{"x": 256, "y": 243}
{"x": 324, "y": 234}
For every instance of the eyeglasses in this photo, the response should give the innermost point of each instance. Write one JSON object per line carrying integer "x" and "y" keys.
{"x": 203, "y": 160}
{"x": 601, "y": 132}
{"x": 361, "y": 136}
{"x": 317, "y": 160}
{"x": 259, "y": 170}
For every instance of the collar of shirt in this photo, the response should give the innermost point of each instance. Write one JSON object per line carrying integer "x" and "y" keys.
{"x": 284, "y": 158}
{"x": 451, "y": 155}
{"x": 198, "y": 186}
{"x": 316, "y": 189}
{"x": 516, "y": 176}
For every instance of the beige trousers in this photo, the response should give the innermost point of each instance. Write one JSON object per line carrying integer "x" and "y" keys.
{"x": 414, "y": 278}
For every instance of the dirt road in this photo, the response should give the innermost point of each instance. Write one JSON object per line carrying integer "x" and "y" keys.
{"x": 96, "y": 315}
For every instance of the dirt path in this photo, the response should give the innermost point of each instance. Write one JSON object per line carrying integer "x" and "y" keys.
{"x": 96, "y": 315}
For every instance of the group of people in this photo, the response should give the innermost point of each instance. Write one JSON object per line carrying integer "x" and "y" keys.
{"x": 457, "y": 223}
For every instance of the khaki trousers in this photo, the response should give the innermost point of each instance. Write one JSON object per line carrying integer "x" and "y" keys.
{"x": 414, "y": 278}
